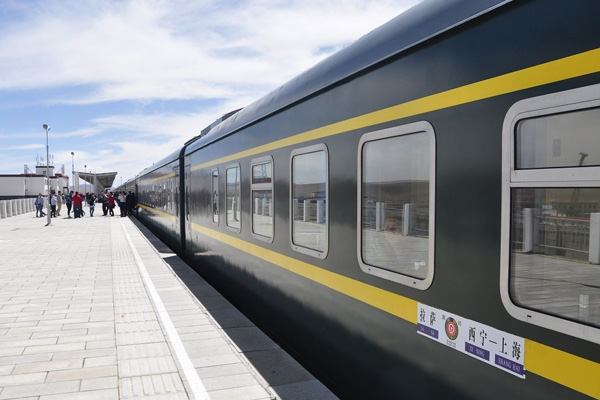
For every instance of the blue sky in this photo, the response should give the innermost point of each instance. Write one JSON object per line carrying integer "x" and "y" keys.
{"x": 124, "y": 83}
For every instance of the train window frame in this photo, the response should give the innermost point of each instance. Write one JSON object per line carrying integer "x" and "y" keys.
{"x": 545, "y": 178}
{"x": 229, "y": 227}
{"x": 262, "y": 187}
{"x": 212, "y": 201}
{"x": 398, "y": 131}
{"x": 301, "y": 249}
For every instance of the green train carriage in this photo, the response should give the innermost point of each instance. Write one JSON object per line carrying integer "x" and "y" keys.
{"x": 414, "y": 217}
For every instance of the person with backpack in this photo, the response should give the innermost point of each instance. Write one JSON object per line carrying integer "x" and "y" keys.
{"x": 92, "y": 203}
{"x": 102, "y": 200}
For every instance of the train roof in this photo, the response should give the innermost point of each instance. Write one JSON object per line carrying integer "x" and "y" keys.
{"x": 161, "y": 163}
{"x": 416, "y": 25}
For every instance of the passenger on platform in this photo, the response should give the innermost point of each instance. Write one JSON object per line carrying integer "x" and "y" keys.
{"x": 69, "y": 202}
{"x": 39, "y": 206}
{"x": 85, "y": 198}
{"x": 111, "y": 204}
{"x": 130, "y": 200}
{"x": 77, "y": 205}
{"x": 60, "y": 199}
{"x": 83, "y": 202}
{"x": 53, "y": 204}
{"x": 102, "y": 200}
{"x": 92, "y": 203}
{"x": 123, "y": 204}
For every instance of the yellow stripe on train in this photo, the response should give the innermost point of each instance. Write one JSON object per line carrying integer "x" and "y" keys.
{"x": 554, "y": 71}
{"x": 566, "y": 369}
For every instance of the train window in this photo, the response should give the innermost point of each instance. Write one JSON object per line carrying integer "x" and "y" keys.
{"x": 215, "y": 195}
{"x": 558, "y": 140}
{"x": 551, "y": 212}
{"x": 396, "y": 170}
{"x": 309, "y": 200}
{"x": 233, "y": 204}
{"x": 262, "y": 198}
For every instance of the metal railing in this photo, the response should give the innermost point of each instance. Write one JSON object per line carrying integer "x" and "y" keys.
{"x": 564, "y": 236}
{"x": 397, "y": 217}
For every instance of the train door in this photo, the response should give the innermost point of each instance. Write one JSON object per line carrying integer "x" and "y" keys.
{"x": 175, "y": 203}
{"x": 187, "y": 211}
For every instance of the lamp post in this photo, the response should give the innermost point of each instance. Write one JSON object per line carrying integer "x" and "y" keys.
{"x": 86, "y": 182}
{"x": 47, "y": 128}
{"x": 73, "y": 169}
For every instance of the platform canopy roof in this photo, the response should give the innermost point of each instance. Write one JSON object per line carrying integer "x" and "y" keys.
{"x": 105, "y": 179}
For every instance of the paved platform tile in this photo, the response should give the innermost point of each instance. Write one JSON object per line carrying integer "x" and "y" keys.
{"x": 136, "y": 317}
{"x": 81, "y": 373}
{"x": 22, "y": 379}
{"x": 161, "y": 384}
{"x": 86, "y": 338}
{"x": 6, "y": 369}
{"x": 59, "y": 332}
{"x": 229, "y": 381}
{"x": 255, "y": 392}
{"x": 14, "y": 351}
{"x": 211, "y": 351}
{"x": 143, "y": 351}
{"x": 222, "y": 370}
{"x": 210, "y": 361}
{"x": 108, "y": 394}
{"x": 25, "y": 358}
{"x": 84, "y": 354}
{"x": 48, "y": 366}
{"x": 15, "y": 392}
{"x": 124, "y": 339}
{"x": 56, "y": 348}
{"x": 100, "y": 361}
{"x": 108, "y": 382}
{"x": 145, "y": 326}
{"x": 83, "y": 325}
{"x": 146, "y": 366}
{"x": 101, "y": 344}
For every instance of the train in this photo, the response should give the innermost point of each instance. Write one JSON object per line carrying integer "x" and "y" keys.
{"x": 418, "y": 215}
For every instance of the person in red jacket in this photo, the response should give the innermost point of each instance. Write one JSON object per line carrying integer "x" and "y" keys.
{"x": 77, "y": 202}
{"x": 111, "y": 203}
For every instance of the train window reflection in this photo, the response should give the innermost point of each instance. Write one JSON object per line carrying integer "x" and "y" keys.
{"x": 309, "y": 198}
{"x": 551, "y": 212}
{"x": 215, "y": 195}
{"x": 555, "y": 251}
{"x": 560, "y": 140}
{"x": 232, "y": 193}
{"x": 395, "y": 204}
{"x": 262, "y": 198}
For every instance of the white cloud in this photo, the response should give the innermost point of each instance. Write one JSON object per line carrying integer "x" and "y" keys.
{"x": 136, "y": 49}
{"x": 26, "y": 147}
{"x": 99, "y": 51}
{"x": 143, "y": 140}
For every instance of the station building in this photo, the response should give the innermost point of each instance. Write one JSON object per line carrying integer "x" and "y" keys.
{"x": 29, "y": 184}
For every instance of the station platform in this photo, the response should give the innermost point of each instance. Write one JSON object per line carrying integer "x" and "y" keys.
{"x": 99, "y": 308}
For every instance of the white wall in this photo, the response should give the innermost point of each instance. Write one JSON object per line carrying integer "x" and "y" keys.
{"x": 34, "y": 185}
{"x": 12, "y": 186}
